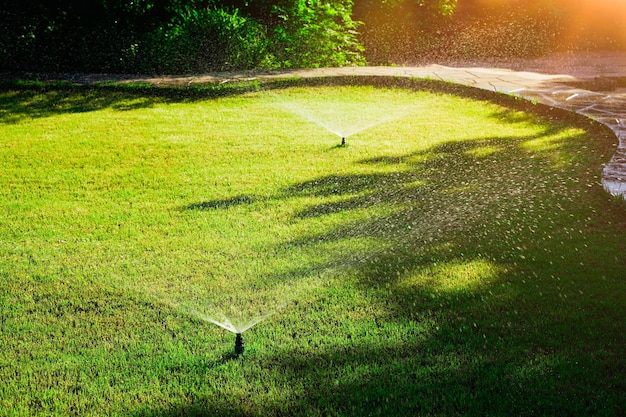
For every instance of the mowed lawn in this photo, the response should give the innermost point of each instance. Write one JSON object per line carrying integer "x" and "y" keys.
{"x": 458, "y": 257}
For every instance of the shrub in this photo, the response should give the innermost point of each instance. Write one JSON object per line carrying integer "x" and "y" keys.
{"x": 204, "y": 40}
{"x": 313, "y": 33}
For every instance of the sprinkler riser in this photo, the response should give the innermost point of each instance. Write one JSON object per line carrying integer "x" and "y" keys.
{"x": 239, "y": 346}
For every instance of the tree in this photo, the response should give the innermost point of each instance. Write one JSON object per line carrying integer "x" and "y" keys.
{"x": 314, "y": 33}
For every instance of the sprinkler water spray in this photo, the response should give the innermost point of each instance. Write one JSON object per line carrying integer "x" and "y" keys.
{"x": 238, "y": 327}
{"x": 239, "y": 346}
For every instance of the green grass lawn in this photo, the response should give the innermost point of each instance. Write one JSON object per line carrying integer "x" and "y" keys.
{"x": 458, "y": 257}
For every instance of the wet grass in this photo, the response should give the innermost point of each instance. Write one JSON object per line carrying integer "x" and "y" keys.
{"x": 460, "y": 260}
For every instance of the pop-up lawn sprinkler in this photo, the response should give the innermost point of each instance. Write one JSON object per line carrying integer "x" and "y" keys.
{"x": 239, "y": 346}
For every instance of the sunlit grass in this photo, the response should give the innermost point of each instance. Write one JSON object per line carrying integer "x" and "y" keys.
{"x": 459, "y": 259}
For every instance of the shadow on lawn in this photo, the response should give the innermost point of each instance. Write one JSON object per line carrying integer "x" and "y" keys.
{"x": 43, "y": 101}
{"x": 542, "y": 335}
{"x": 20, "y": 100}
{"x": 222, "y": 203}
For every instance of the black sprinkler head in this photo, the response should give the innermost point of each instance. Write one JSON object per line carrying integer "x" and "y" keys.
{"x": 239, "y": 347}
{"x": 343, "y": 141}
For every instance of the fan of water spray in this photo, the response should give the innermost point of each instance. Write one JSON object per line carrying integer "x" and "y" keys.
{"x": 231, "y": 324}
{"x": 346, "y": 115}
{"x": 235, "y": 305}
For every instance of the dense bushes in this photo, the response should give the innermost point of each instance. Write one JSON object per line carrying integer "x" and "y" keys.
{"x": 188, "y": 36}
{"x": 297, "y": 34}
{"x": 175, "y": 36}
{"x": 203, "y": 40}
{"x": 316, "y": 33}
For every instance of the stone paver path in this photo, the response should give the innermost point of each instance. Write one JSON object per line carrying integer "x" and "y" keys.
{"x": 557, "y": 81}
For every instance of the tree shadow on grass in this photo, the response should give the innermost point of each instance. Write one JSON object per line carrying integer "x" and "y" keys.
{"x": 33, "y": 103}
{"x": 494, "y": 286}
{"x": 222, "y": 203}
{"x": 511, "y": 341}
{"x": 32, "y": 100}
{"x": 20, "y": 100}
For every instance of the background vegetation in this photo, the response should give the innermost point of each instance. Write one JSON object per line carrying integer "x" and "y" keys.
{"x": 186, "y": 36}
{"x": 175, "y": 36}
{"x": 413, "y": 31}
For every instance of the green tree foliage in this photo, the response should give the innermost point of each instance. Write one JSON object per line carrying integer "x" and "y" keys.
{"x": 306, "y": 33}
{"x": 314, "y": 33}
{"x": 187, "y": 36}
{"x": 175, "y": 36}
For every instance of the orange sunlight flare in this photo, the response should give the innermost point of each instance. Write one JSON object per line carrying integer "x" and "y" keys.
{"x": 595, "y": 23}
